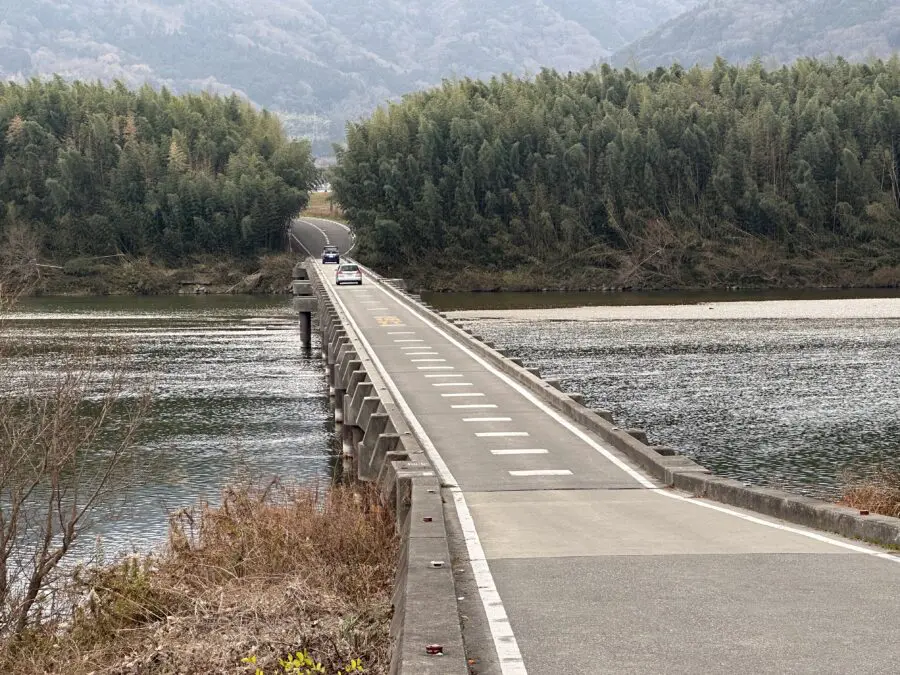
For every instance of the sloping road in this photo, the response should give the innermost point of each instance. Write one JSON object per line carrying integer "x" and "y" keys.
{"x": 579, "y": 564}
{"x": 312, "y": 234}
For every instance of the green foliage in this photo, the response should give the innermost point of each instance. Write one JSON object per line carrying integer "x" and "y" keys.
{"x": 301, "y": 663}
{"x": 96, "y": 171}
{"x": 516, "y": 172}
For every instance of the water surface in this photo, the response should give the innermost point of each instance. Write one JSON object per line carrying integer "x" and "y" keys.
{"x": 786, "y": 393}
{"x": 235, "y": 397}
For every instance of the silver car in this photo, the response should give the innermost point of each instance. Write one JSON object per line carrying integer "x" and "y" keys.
{"x": 348, "y": 274}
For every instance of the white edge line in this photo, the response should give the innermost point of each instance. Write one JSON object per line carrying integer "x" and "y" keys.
{"x": 505, "y": 644}
{"x": 640, "y": 478}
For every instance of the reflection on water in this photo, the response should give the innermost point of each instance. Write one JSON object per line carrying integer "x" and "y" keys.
{"x": 235, "y": 397}
{"x": 783, "y": 402}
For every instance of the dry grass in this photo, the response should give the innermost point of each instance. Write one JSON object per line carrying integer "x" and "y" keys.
{"x": 322, "y": 205}
{"x": 877, "y": 494}
{"x": 266, "y": 573}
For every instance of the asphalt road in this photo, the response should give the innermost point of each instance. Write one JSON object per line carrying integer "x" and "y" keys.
{"x": 312, "y": 234}
{"x": 595, "y": 569}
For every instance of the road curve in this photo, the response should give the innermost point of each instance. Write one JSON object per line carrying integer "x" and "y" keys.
{"x": 313, "y": 234}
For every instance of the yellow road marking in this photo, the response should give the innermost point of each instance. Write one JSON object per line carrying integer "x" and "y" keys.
{"x": 389, "y": 321}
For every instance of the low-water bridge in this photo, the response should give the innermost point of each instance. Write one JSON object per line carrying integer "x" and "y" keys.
{"x": 541, "y": 538}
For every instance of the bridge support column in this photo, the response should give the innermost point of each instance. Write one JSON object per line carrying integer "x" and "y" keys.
{"x": 306, "y": 330}
{"x": 304, "y": 302}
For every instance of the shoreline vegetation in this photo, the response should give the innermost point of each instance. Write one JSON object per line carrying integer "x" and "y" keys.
{"x": 266, "y": 574}
{"x": 271, "y": 578}
{"x": 266, "y": 274}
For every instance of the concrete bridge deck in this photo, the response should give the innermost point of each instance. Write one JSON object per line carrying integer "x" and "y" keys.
{"x": 577, "y": 562}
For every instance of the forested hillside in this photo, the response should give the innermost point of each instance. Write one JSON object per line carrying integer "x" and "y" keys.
{"x": 775, "y": 31}
{"x": 92, "y": 170}
{"x": 725, "y": 176}
{"x": 317, "y": 62}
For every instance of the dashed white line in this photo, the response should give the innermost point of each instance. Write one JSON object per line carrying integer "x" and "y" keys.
{"x": 377, "y": 309}
{"x": 451, "y": 384}
{"x": 542, "y": 472}
{"x": 498, "y": 434}
{"x": 420, "y": 353}
{"x": 471, "y": 406}
{"x": 505, "y": 644}
{"x": 401, "y": 332}
{"x": 447, "y": 375}
{"x": 461, "y": 394}
{"x": 410, "y": 339}
{"x": 487, "y": 419}
{"x": 521, "y": 451}
{"x": 435, "y": 367}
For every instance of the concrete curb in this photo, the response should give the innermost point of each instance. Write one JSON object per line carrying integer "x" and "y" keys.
{"x": 663, "y": 463}
{"x": 380, "y": 448}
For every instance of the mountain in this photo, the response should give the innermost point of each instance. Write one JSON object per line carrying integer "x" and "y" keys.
{"x": 777, "y": 31}
{"x": 318, "y": 62}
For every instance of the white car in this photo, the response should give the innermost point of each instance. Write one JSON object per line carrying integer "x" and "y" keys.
{"x": 348, "y": 274}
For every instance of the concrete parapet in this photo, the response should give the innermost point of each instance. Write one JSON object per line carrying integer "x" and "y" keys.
{"x": 802, "y": 510}
{"x": 605, "y": 414}
{"x": 302, "y": 288}
{"x": 304, "y": 304}
{"x": 349, "y": 364}
{"x": 356, "y": 378}
{"x": 377, "y": 424}
{"x": 354, "y": 408}
{"x": 368, "y": 406}
{"x": 639, "y": 434}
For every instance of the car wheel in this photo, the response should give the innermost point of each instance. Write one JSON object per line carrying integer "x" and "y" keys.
{"x": 359, "y": 283}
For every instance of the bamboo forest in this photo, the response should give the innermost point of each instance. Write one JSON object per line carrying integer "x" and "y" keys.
{"x": 702, "y": 177}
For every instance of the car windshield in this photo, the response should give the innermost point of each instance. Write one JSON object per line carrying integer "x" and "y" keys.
{"x": 349, "y": 268}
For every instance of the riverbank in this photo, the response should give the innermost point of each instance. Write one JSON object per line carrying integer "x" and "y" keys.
{"x": 120, "y": 275}
{"x": 269, "y": 573}
{"x": 748, "y": 264}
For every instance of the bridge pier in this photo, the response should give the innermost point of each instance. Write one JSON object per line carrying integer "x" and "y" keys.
{"x": 304, "y": 304}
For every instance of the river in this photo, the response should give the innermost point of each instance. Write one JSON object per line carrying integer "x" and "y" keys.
{"x": 235, "y": 398}
{"x": 768, "y": 389}
{"x": 791, "y": 390}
